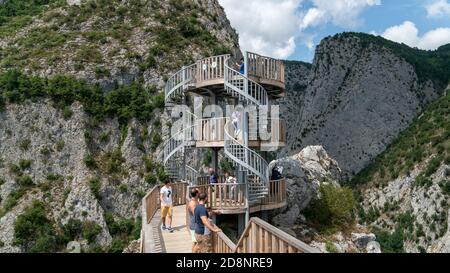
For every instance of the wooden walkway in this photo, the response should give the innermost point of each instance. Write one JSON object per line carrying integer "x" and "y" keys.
{"x": 157, "y": 241}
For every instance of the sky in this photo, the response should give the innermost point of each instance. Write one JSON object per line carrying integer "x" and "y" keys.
{"x": 291, "y": 29}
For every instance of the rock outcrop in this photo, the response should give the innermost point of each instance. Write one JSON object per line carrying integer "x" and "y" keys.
{"x": 304, "y": 172}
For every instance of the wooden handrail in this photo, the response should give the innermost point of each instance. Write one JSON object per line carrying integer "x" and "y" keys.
{"x": 261, "y": 237}
{"x": 204, "y": 180}
{"x": 265, "y": 67}
{"x": 222, "y": 244}
{"x": 210, "y": 68}
{"x": 224, "y": 196}
{"x": 151, "y": 203}
{"x": 210, "y": 130}
{"x": 277, "y": 192}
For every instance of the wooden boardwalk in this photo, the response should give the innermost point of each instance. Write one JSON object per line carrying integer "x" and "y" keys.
{"x": 157, "y": 241}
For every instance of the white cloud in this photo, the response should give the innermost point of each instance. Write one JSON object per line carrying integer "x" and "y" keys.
{"x": 265, "y": 26}
{"x": 344, "y": 13}
{"x": 439, "y": 8}
{"x": 313, "y": 17}
{"x": 409, "y": 34}
{"x": 271, "y": 27}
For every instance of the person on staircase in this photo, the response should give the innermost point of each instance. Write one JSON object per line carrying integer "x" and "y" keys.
{"x": 235, "y": 119}
{"x": 166, "y": 206}
{"x": 191, "y": 210}
{"x": 203, "y": 227}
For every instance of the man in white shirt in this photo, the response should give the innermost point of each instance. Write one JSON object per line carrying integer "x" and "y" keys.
{"x": 166, "y": 206}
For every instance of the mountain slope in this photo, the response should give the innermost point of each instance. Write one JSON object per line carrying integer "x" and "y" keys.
{"x": 111, "y": 41}
{"x": 363, "y": 91}
{"x": 404, "y": 193}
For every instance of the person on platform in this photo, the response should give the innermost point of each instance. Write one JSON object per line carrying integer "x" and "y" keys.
{"x": 241, "y": 66}
{"x": 229, "y": 179}
{"x": 203, "y": 227}
{"x": 191, "y": 210}
{"x": 166, "y": 206}
{"x": 213, "y": 178}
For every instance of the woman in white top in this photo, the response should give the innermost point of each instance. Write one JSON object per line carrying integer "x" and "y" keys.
{"x": 229, "y": 179}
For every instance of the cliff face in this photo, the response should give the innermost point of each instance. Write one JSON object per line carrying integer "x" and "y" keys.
{"x": 110, "y": 42}
{"x": 404, "y": 191}
{"x": 359, "y": 96}
{"x": 90, "y": 167}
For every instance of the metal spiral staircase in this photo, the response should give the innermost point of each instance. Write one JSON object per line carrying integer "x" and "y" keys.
{"x": 238, "y": 86}
{"x": 243, "y": 158}
{"x": 175, "y": 149}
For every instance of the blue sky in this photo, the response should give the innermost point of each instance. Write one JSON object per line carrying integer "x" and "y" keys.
{"x": 290, "y": 29}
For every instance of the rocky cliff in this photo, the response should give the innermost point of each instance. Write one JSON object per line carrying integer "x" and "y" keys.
{"x": 359, "y": 94}
{"x": 76, "y": 158}
{"x": 404, "y": 191}
{"x": 111, "y": 42}
{"x": 313, "y": 175}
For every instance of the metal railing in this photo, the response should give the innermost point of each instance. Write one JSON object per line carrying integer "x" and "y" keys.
{"x": 243, "y": 88}
{"x": 178, "y": 82}
{"x": 245, "y": 158}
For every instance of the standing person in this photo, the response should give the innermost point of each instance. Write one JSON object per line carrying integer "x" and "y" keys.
{"x": 235, "y": 119}
{"x": 229, "y": 179}
{"x": 166, "y": 206}
{"x": 191, "y": 209}
{"x": 203, "y": 227}
{"x": 241, "y": 65}
{"x": 276, "y": 175}
{"x": 213, "y": 179}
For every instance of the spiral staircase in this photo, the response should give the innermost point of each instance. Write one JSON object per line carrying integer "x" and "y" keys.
{"x": 243, "y": 158}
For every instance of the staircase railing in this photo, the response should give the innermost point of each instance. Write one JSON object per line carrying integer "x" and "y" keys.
{"x": 243, "y": 88}
{"x": 244, "y": 157}
{"x": 175, "y": 146}
{"x": 261, "y": 237}
{"x": 191, "y": 175}
{"x": 178, "y": 82}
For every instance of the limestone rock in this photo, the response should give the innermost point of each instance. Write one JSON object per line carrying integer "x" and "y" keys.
{"x": 373, "y": 247}
{"x": 362, "y": 239}
{"x": 304, "y": 172}
{"x": 73, "y": 247}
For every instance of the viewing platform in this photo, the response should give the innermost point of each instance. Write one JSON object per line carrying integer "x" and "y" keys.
{"x": 208, "y": 76}
{"x": 231, "y": 198}
{"x": 258, "y": 236}
{"x": 210, "y": 133}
